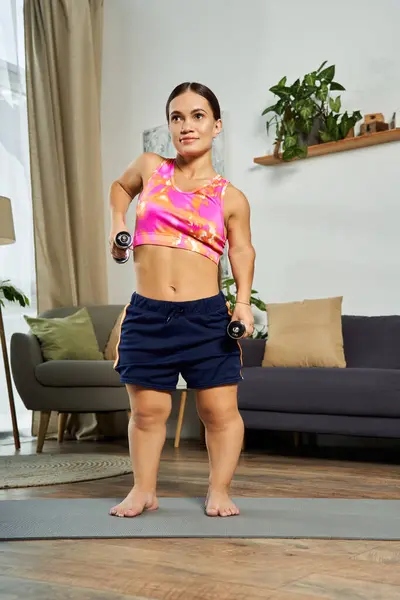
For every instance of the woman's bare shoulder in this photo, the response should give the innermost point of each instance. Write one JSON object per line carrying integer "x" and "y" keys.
{"x": 138, "y": 172}
{"x": 150, "y": 161}
{"x": 234, "y": 198}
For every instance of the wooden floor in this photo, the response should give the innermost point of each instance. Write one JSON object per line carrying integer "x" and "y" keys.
{"x": 204, "y": 569}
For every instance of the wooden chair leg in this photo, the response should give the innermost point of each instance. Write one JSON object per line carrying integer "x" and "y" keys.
{"x": 180, "y": 419}
{"x": 43, "y": 425}
{"x": 62, "y": 423}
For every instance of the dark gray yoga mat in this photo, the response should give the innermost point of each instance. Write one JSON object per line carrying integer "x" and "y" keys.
{"x": 185, "y": 517}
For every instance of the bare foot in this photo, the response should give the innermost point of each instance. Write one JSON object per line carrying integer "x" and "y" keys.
{"x": 134, "y": 504}
{"x": 218, "y": 504}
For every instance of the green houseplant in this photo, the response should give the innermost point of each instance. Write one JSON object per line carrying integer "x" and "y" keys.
{"x": 306, "y": 113}
{"x": 10, "y": 293}
{"x": 229, "y": 291}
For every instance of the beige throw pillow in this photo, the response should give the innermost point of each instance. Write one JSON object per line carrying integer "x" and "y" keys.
{"x": 110, "y": 351}
{"x": 305, "y": 334}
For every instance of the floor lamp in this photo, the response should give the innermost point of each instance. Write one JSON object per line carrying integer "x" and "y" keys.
{"x": 7, "y": 236}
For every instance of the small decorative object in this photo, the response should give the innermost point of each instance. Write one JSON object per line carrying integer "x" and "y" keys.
{"x": 373, "y": 123}
{"x": 230, "y": 296}
{"x": 306, "y": 114}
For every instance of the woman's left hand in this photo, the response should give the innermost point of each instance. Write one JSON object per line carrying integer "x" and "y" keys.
{"x": 244, "y": 313}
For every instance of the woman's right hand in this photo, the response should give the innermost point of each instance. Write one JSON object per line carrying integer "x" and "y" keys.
{"x": 116, "y": 228}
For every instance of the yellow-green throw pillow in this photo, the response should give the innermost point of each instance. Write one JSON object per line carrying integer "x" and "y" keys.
{"x": 63, "y": 338}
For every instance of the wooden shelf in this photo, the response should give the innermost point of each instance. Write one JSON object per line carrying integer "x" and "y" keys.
{"x": 371, "y": 139}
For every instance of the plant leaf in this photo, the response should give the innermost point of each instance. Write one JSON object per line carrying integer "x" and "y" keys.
{"x": 301, "y": 151}
{"x": 309, "y": 79}
{"x": 325, "y": 136}
{"x": 289, "y": 154}
{"x": 334, "y": 86}
{"x": 335, "y": 104}
{"x": 322, "y": 66}
{"x": 282, "y": 92}
{"x": 290, "y": 141}
{"x": 322, "y": 92}
{"x": 306, "y": 111}
{"x": 12, "y": 294}
{"x": 307, "y": 126}
{"x": 328, "y": 74}
{"x": 269, "y": 109}
{"x": 258, "y": 304}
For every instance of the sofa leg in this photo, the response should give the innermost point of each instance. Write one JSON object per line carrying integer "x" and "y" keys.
{"x": 62, "y": 423}
{"x": 297, "y": 439}
{"x": 43, "y": 425}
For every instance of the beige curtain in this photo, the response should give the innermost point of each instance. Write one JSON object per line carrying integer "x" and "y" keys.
{"x": 63, "y": 64}
{"x": 63, "y": 41}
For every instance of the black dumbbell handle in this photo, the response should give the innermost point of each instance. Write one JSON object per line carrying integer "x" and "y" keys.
{"x": 123, "y": 240}
{"x": 236, "y": 329}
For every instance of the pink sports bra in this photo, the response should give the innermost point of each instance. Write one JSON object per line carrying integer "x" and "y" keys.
{"x": 167, "y": 216}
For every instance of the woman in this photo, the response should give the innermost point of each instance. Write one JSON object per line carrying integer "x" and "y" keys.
{"x": 176, "y": 321}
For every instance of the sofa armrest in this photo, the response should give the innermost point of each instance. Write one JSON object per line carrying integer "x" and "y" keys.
{"x": 252, "y": 352}
{"x": 25, "y": 356}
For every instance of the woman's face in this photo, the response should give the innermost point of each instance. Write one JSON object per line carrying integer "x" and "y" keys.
{"x": 192, "y": 124}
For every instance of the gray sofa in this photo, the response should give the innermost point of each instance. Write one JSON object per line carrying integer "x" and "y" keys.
{"x": 67, "y": 386}
{"x": 362, "y": 399}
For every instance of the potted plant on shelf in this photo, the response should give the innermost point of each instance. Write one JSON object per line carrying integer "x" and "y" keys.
{"x": 306, "y": 113}
{"x": 230, "y": 296}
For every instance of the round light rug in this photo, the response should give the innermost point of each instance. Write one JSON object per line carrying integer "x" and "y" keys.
{"x": 50, "y": 469}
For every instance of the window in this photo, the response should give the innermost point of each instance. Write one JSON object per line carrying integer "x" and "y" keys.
{"x": 17, "y": 261}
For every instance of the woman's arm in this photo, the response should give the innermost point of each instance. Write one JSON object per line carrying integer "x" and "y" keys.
{"x": 130, "y": 184}
{"x": 124, "y": 189}
{"x": 241, "y": 253}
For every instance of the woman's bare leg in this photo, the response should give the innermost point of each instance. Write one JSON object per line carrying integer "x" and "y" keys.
{"x": 150, "y": 410}
{"x": 217, "y": 408}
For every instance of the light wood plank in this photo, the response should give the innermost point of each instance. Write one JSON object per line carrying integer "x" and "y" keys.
{"x": 353, "y": 143}
{"x": 339, "y": 588}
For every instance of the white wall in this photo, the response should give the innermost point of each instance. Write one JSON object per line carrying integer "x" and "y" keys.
{"x": 326, "y": 226}
{"x": 321, "y": 227}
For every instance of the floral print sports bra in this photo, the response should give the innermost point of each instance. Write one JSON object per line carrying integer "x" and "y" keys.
{"x": 167, "y": 216}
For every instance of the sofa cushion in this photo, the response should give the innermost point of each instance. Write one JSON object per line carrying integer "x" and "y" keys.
{"x": 305, "y": 334}
{"x": 78, "y": 373}
{"x": 110, "y": 351}
{"x": 71, "y": 337}
{"x": 330, "y": 391}
{"x": 103, "y": 317}
{"x": 252, "y": 351}
{"x": 372, "y": 341}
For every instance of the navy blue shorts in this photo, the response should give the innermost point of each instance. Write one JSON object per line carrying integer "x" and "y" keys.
{"x": 160, "y": 339}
